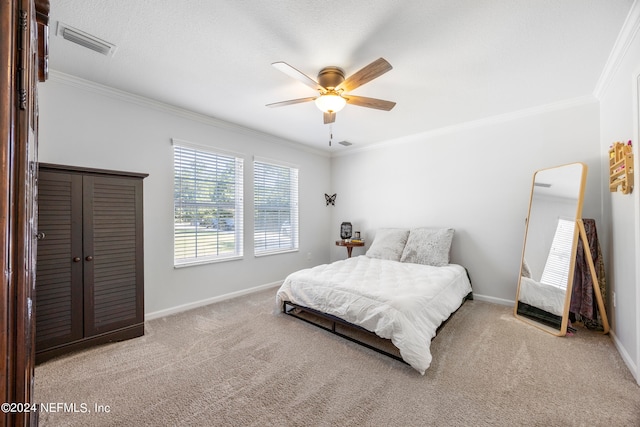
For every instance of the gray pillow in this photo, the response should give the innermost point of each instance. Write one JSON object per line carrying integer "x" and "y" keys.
{"x": 429, "y": 246}
{"x": 388, "y": 243}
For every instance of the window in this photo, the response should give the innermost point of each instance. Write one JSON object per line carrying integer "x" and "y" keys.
{"x": 556, "y": 269}
{"x": 276, "y": 208}
{"x": 207, "y": 205}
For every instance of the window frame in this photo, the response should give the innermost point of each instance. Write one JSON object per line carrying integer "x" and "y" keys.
{"x": 229, "y": 157}
{"x": 294, "y": 209}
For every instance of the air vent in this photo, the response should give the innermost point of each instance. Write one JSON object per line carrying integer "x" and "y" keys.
{"x": 86, "y": 40}
{"x": 345, "y": 143}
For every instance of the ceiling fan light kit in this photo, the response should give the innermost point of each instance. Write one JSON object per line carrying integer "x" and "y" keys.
{"x": 330, "y": 103}
{"x": 332, "y": 85}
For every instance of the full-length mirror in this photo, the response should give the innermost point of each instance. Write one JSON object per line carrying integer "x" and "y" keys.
{"x": 549, "y": 250}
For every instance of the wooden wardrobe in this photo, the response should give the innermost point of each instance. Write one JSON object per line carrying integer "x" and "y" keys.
{"x": 23, "y": 62}
{"x": 90, "y": 263}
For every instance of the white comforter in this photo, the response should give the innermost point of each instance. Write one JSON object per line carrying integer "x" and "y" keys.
{"x": 402, "y": 302}
{"x": 543, "y": 296}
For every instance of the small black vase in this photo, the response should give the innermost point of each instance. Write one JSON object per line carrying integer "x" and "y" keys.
{"x": 345, "y": 230}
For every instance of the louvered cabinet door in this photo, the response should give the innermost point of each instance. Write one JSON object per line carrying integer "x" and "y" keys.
{"x": 59, "y": 282}
{"x": 113, "y": 242}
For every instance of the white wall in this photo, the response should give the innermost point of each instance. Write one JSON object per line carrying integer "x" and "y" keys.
{"x": 619, "y": 122}
{"x": 86, "y": 125}
{"x": 475, "y": 178}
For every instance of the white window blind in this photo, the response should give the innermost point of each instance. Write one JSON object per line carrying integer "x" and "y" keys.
{"x": 556, "y": 269}
{"x": 276, "y": 208}
{"x": 208, "y": 204}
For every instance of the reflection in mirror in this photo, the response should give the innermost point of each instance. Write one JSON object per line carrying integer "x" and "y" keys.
{"x": 549, "y": 251}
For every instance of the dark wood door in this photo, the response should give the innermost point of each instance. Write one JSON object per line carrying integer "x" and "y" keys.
{"x": 59, "y": 302}
{"x": 113, "y": 242}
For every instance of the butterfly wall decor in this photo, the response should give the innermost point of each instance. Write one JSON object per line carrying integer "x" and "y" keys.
{"x": 331, "y": 200}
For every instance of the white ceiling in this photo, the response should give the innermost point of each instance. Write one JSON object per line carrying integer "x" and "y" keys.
{"x": 454, "y": 61}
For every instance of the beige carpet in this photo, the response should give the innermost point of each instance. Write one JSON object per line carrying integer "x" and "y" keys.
{"x": 237, "y": 363}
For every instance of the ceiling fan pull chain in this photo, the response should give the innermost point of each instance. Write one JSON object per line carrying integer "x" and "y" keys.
{"x": 330, "y": 134}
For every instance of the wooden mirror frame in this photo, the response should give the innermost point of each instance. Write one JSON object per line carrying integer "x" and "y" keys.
{"x": 578, "y": 232}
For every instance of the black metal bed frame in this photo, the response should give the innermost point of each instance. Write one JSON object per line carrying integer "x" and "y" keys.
{"x": 542, "y": 316}
{"x": 291, "y": 311}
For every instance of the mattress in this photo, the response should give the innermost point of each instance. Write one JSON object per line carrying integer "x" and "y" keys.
{"x": 403, "y": 302}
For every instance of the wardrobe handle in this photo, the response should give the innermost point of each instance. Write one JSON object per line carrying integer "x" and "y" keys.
{"x": 89, "y": 258}
{"x": 76, "y": 259}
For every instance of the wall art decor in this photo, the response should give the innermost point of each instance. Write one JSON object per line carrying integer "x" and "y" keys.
{"x": 331, "y": 200}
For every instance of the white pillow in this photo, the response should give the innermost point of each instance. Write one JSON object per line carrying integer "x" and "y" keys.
{"x": 429, "y": 246}
{"x": 388, "y": 243}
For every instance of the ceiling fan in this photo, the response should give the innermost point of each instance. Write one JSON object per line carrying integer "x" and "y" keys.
{"x": 333, "y": 87}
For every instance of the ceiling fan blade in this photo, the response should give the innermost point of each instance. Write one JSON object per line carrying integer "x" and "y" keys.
{"x": 329, "y": 118}
{"x": 291, "y": 101}
{"x": 363, "y": 101}
{"x": 366, "y": 74}
{"x": 298, "y": 75}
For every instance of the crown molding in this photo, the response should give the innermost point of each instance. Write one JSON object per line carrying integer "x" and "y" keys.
{"x": 142, "y": 101}
{"x": 488, "y": 121}
{"x": 620, "y": 48}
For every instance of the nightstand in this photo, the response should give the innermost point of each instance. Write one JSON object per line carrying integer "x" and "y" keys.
{"x": 349, "y": 245}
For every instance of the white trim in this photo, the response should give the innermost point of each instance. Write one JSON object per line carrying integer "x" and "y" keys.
{"x": 620, "y": 49}
{"x": 211, "y": 149}
{"x": 206, "y": 261}
{"x": 636, "y": 206}
{"x": 493, "y": 300}
{"x": 627, "y": 359}
{"x": 275, "y": 162}
{"x": 120, "y": 95}
{"x": 190, "y": 306}
{"x": 488, "y": 121}
{"x": 97, "y": 88}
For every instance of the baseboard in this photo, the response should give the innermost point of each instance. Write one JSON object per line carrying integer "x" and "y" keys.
{"x": 493, "y": 300}
{"x": 631, "y": 364}
{"x": 184, "y": 307}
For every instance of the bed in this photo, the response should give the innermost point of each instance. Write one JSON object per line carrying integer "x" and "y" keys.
{"x": 549, "y": 298}
{"x": 541, "y": 301}
{"x": 402, "y": 290}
